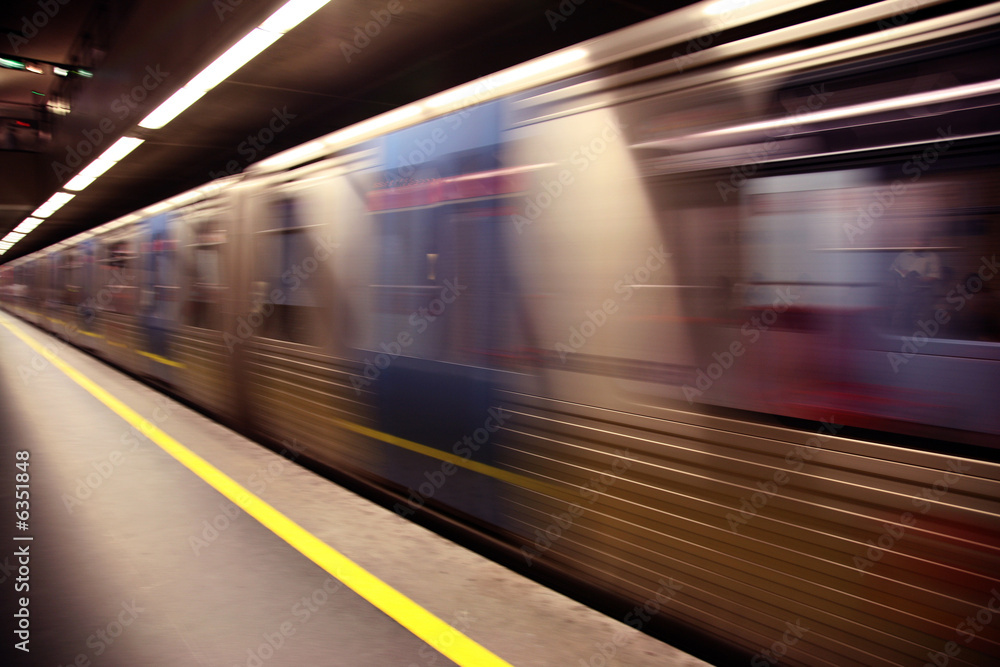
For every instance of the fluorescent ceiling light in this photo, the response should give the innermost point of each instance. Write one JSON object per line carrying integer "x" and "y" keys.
{"x": 236, "y": 57}
{"x": 105, "y": 161}
{"x": 169, "y": 110}
{"x": 28, "y": 225}
{"x": 287, "y": 17}
{"x": 120, "y": 149}
{"x": 291, "y": 14}
{"x": 79, "y": 182}
{"x": 94, "y": 169}
{"x": 54, "y": 203}
{"x": 13, "y": 237}
{"x": 727, "y": 6}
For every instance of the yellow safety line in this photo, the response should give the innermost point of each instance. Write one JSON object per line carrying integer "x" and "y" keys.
{"x": 460, "y": 461}
{"x": 90, "y": 333}
{"x": 425, "y": 625}
{"x": 162, "y": 360}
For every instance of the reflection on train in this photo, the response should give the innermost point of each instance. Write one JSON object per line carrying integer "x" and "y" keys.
{"x": 709, "y": 301}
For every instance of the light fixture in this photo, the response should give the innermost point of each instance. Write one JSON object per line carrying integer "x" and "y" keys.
{"x": 28, "y": 225}
{"x": 58, "y": 106}
{"x": 12, "y": 63}
{"x": 272, "y": 29}
{"x": 103, "y": 162}
{"x": 53, "y": 204}
{"x": 120, "y": 149}
{"x": 727, "y": 6}
{"x": 167, "y": 111}
{"x": 291, "y": 14}
{"x": 13, "y": 237}
{"x": 238, "y": 55}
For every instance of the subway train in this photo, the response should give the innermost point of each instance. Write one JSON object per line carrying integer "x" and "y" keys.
{"x": 701, "y": 314}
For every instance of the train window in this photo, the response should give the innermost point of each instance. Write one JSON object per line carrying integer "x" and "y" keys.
{"x": 907, "y": 258}
{"x": 70, "y": 278}
{"x": 938, "y": 260}
{"x": 160, "y": 275}
{"x": 205, "y": 276}
{"x": 287, "y": 266}
{"x": 116, "y": 276}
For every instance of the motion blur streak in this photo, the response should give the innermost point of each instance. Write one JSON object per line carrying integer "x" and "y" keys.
{"x": 738, "y": 308}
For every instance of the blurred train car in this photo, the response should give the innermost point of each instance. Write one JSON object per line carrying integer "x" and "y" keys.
{"x": 702, "y": 313}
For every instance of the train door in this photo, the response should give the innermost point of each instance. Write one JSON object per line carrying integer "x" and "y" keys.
{"x": 86, "y": 312}
{"x": 438, "y": 298}
{"x": 203, "y": 235}
{"x": 159, "y": 303}
{"x": 288, "y": 338}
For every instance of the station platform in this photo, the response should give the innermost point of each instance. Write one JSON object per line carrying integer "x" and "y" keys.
{"x": 152, "y": 535}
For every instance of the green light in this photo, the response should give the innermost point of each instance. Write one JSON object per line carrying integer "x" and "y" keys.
{"x": 85, "y": 73}
{"x": 35, "y": 92}
{"x": 10, "y": 63}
